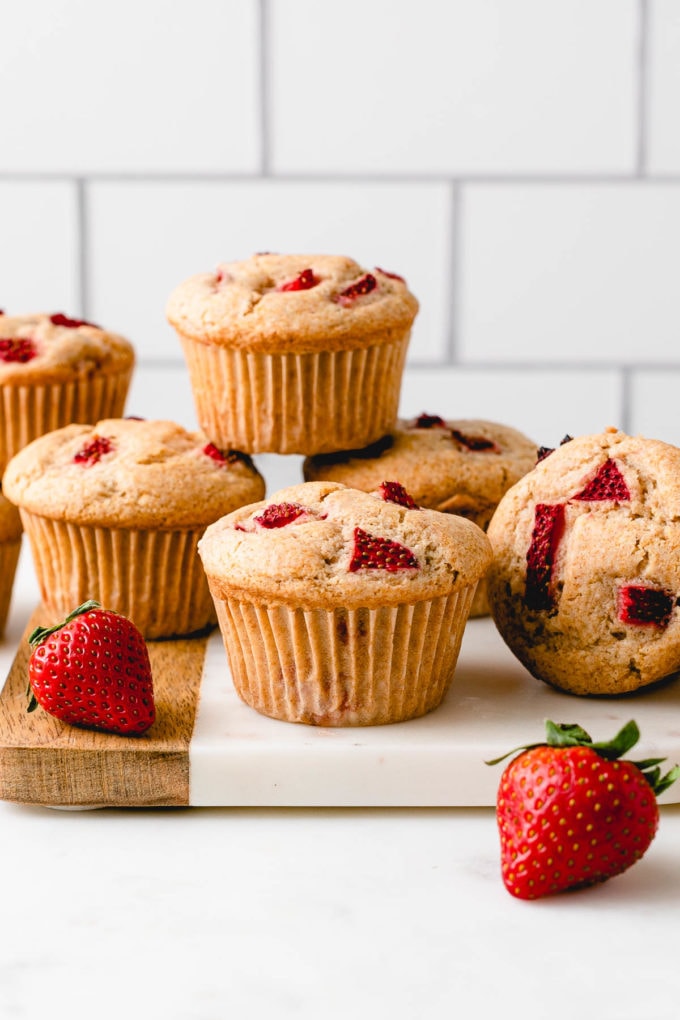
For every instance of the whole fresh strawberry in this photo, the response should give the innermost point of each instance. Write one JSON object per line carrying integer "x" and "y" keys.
{"x": 571, "y": 813}
{"x": 93, "y": 670}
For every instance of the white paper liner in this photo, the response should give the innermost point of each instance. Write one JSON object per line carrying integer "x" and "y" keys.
{"x": 341, "y": 667}
{"x": 295, "y": 403}
{"x": 153, "y": 577}
{"x": 27, "y": 412}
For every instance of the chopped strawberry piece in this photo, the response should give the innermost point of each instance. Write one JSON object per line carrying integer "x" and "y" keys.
{"x": 93, "y": 451}
{"x": 364, "y": 285}
{"x": 545, "y": 451}
{"x": 608, "y": 483}
{"x": 19, "y": 349}
{"x": 394, "y": 492}
{"x": 303, "y": 281}
{"x": 225, "y": 456}
{"x": 476, "y": 444}
{"x": 644, "y": 606}
{"x": 277, "y": 515}
{"x": 210, "y": 450}
{"x": 375, "y": 553}
{"x": 63, "y": 320}
{"x": 545, "y": 539}
{"x": 429, "y": 421}
{"x": 392, "y": 276}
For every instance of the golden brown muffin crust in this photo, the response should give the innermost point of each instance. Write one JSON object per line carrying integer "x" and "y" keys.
{"x": 61, "y": 352}
{"x": 570, "y": 625}
{"x": 436, "y": 466}
{"x": 307, "y": 562}
{"x": 129, "y": 473}
{"x": 242, "y": 305}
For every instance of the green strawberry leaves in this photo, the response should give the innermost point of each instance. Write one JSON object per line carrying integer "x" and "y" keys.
{"x": 572, "y": 735}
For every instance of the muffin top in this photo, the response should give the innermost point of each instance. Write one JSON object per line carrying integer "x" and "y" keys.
{"x": 460, "y": 466}
{"x": 299, "y": 303}
{"x": 324, "y": 545}
{"x": 10, "y": 522}
{"x": 49, "y": 348}
{"x": 585, "y": 581}
{"x": 130, "y": 473}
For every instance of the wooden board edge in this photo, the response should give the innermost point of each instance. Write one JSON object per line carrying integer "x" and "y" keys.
{"x": 45, "y": 762}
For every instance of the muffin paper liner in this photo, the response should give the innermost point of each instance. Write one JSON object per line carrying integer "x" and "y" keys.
{"x": 27, "y": 412}
{"x": 9, "y": 557}
{"x": 295, "y": 403}
{"x": 153, "y": 577}
{"x": 340, "y": 667}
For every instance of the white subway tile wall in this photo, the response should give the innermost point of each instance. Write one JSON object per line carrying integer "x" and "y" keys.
{"x": 517, "y": 160}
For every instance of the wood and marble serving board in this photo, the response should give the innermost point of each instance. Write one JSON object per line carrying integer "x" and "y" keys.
{"x": 207, "y": 748}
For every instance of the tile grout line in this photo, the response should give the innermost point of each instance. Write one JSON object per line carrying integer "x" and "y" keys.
{"x": 626, "y": 399}
{"x": 226, "y": 177}
{"x": 643, "y": 88}
{"x": 82, "y": 274}
{"x": 265, "y": 113}
{"x": 455, "y": 241}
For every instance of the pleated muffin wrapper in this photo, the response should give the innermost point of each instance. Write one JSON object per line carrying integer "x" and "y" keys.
{"x": 29, "y": 411}
{"x": 295, "y": 403}
{"x": 342, "y": 667}
{"x": 9, "y": 558}
{"x": 155, "y": 578}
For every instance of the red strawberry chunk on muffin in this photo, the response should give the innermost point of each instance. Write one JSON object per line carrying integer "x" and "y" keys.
{"x": 305, "y": 280}
{"x": 545, "y": 539}
{"x": 93, "y": 451}
{"x": 394, "y": 492}
{"x": 608, "y": 483}
{"x": 644, "y": 606}
{"x": 59, "y": 319}
{"x": 375, "y": 553}
{"x": 364, "y": 285}
{"x": 19, "y": 349}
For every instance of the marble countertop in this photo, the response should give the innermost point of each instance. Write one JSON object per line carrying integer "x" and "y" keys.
{"x": 186, "y": 914}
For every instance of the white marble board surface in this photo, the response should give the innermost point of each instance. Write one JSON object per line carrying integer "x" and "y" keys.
{"x": 239, "y": 758}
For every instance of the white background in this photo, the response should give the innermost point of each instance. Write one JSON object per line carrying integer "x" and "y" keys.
{"x": 519, "y": 162}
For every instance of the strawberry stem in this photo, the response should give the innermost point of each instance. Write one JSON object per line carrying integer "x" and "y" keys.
{"x": 573, "y": 735}
{"x": 40, "y": 633}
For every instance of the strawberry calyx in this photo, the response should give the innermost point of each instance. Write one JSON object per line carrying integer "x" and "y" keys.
{"x": 565, "y": 735}
{"x": 38, "y": 635}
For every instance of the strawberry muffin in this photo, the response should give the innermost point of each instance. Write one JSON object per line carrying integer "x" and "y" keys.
{"x": 114, "y": 511}
{"x": 294, "y": 353}
{"x": 585, "y": 579}
{"x": 461, "y": 466}
{"x": 340, "y": 607}
{"x": 55, "y": 370}
{"x": 10, "y": 547}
